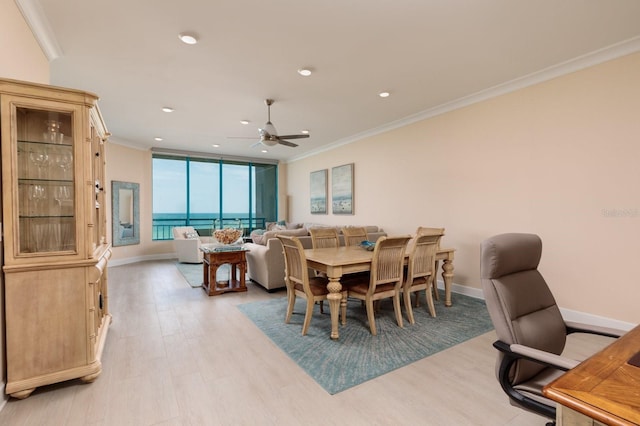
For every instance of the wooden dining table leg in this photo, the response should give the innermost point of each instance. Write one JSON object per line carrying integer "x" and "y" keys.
{"x": 447, "y": 277}
{"x": 334, "y": 297}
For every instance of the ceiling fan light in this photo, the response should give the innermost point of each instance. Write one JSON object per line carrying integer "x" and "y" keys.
{"x": 269, "y": 128}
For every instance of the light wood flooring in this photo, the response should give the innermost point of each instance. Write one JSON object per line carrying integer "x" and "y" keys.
{"x": 177, "y": 357}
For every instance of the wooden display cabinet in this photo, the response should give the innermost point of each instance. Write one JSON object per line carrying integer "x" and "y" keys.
{"x": 55, "y": 245}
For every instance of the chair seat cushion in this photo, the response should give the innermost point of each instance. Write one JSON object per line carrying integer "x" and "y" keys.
{"x": 362, "y": 287}
{"x": 318, "y": 286}
{"x": 419, "y": 281}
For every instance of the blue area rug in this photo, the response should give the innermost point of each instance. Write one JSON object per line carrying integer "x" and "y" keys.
{"x": 192, "y": 272}
{"x": 358, "y": 356}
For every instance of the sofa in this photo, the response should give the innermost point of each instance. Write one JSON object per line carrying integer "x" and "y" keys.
{"x": 187, "y": 243}
{"x": 265, "y": 258}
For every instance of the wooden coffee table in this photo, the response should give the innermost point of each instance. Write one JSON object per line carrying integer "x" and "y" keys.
{"x": 213, "y": 259}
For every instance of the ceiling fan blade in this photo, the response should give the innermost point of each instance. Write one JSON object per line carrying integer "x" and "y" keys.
{"x": 287, "y": 143}
{"x": 293, "y": 136}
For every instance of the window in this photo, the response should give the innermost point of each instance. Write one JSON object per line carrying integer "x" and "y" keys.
{"x": 207, "y": 192}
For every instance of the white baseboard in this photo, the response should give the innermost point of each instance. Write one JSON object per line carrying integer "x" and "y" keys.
{"x": 567, "y": 314}
{"x": 576, "y": 316}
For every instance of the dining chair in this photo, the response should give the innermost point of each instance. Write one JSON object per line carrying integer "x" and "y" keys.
{"x": 324, "y": 237}
{"x": 298, "y": 281}
{"x": 436, "y": 266}
{"x": 420, "y": 272}
{"x": 354, "y": 235}
{"x": 385, "y": 279}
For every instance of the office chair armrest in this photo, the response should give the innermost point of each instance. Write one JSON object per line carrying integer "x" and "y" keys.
{"x": 547, "y": 358}
{"x": 516, "y": 351}
{"x": 578, "y": 327}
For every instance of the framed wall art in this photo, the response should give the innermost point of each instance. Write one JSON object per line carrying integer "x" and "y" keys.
{"x": 318, "y": 192}
{"x": 342, "y": 189}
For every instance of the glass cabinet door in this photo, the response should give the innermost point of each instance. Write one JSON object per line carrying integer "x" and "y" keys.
{"x": 46, "y": 192}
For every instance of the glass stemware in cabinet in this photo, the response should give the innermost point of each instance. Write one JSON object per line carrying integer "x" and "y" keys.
{"x": 63, "y": 197}
{"x": 64, "y": 160}
{"x": 40, "y": 159}
{"x": 37, "y": 197}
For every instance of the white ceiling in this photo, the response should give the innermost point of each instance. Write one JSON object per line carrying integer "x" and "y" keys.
{"x": 429, "y": 54}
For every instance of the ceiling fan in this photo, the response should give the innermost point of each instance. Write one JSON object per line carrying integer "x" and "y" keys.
{"x": 269, "y": 135}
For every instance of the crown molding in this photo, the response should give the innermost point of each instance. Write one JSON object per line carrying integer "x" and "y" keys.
{"x": 36, "y": 20}
{"x": 609, "y": 53}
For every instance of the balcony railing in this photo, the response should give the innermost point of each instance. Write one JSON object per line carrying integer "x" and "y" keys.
{"x": 163, "y": 228}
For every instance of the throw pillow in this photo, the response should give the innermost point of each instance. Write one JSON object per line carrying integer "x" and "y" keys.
{"x": 257, "y": 236}
{"x": 191, "y": 235}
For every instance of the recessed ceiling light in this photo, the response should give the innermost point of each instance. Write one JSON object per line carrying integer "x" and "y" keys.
{"x": 167, "y": 109}
{"x": 384, "y": 94}
{"x": 188, "y": 38}
{"x": 304, "y": 131}
{"x": 157, "y": 138}
{"x": 264, "y": 150}
{"x": 306, "y": 72}
{"x": 215, "y": 145}
{"x": 244, "y": 121}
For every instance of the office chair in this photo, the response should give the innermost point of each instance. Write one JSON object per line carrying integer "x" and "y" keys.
{"x": 530, "y": 328}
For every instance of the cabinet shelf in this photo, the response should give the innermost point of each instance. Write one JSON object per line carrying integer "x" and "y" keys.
{"x": 66, "y": 142}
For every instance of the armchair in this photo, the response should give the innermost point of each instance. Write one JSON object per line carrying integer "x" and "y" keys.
{"x": 530, "y": 328}
{"x": 187, "y": 243}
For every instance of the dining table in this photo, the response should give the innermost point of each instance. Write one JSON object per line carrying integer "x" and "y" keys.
{"x": 336, "y": 262}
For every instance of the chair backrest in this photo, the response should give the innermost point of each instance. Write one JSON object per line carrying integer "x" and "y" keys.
{"x": 522, "y": 308}
{"x": 295, "y": 263}
{"x": 422, "y": 258}
{"x": 431, "y": 231}
{"x": 387, "y": 265}
{"x": 354, "y": 235}
{"x": 324, "y": 237}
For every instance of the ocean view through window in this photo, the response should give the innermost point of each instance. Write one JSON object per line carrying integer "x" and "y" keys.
{"x": 207, "y": 193}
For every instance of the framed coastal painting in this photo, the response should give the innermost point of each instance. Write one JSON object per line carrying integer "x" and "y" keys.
{"x": 318, "y": 192}
{"x": 342, "y": 189}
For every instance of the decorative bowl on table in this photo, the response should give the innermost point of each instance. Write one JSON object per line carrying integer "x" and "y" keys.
{"x": 228, "y": 236}
{"x": 367, "y": 245}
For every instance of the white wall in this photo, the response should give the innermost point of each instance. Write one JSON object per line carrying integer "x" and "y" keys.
{"x": 559, "y": 159}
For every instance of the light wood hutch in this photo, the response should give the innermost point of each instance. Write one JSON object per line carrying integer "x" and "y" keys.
{"x": 54, "y": 235}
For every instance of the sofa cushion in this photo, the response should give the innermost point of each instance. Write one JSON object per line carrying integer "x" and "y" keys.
{"x": 257, "y": 236}
{"x": 301, "y": 232}
{"x": 276, "y": 225}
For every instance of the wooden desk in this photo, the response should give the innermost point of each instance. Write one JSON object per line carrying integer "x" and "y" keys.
{"x": 336, "y": 262}
{"x": 212, "y": 260}
{"x": 604, "y": 387}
